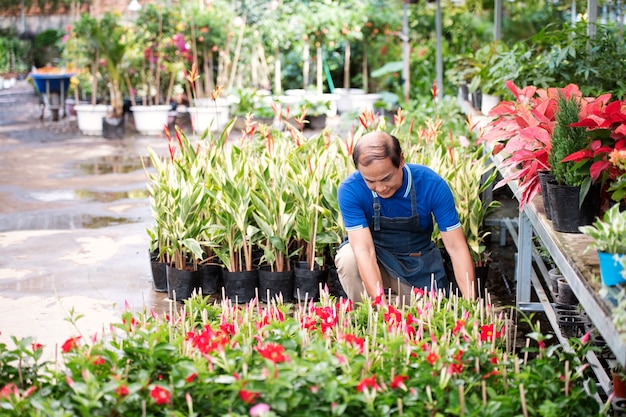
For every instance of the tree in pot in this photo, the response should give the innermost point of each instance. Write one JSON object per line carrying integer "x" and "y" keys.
{"x": 156, "y": 58}
{"x": 113, "y": 40}
{"x": 573, "y": 183}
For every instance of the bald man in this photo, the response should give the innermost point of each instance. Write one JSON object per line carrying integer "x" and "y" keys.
{"x": 388, "y": 207}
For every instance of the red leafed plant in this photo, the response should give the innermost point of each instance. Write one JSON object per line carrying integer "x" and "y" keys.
{"x": 606, "y": 124}
{"x": 520, "y": 132}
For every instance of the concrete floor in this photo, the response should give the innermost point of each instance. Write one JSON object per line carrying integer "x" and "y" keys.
{"x": 73, "y": 215}
{"x": 73, "y": 218}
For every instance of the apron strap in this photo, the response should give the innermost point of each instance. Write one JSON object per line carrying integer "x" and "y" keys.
{"x": 376, "y": 212}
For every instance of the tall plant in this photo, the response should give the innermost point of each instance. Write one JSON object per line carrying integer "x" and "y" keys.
{"x": 310, "y": 163}
{"x": 235, "y": 233}
{"x": 275, "y": 207}
{"x": 567, "y": 140}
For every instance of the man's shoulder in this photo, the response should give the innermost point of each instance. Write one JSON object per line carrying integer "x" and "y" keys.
{"x": 419, "y": 171}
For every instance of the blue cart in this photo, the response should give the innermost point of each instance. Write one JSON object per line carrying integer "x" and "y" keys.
{"x": 53, "y": 89}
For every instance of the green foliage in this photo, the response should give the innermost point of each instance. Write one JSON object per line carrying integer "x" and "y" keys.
{"x": 608, "y": 233}
{"x": 46, "y": 47}
{"x": 15, "y": 54}
{"x": 435, "y": 356}
{"x": 563, "y": 53}
{"x": 567, "y": 140}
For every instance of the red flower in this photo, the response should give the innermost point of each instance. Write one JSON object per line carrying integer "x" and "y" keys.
{"x": 393, "y": 315}
{"x": 70, "y": 344}
{"x": 459, "y": 325}
{"x": 160, "y": 395}
{"x": 274, "y": 352}
{"x": 368, "y": 383}
{"x": 98, "y": 360}
{"x": 488, "y": 332}
{"x": 36, "y": 346}
{"x": 122, "y": 391}
{"x": 248, "y": 397}
{"x": 398, "y": 382}
{"x": 191, "y": 377}
{"x": 355, "y": 341}
{"x": 432, "y": 358}
{"x": 8, "y": 390}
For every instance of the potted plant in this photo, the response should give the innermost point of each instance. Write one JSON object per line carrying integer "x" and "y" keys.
{"x": 605, "y": 156}
{"x": 83, "y": 49}
{"x": 178, "y": 200}
{"x": 618, "y": 374}
{"x": 235, "y": 234}
{"x": 574, "y": 200}
{"x": 609, "y": 239}
{"x": 312, "y": 166}
{"x": 113, "y": 39}
{"x": 519, "y": 135}
{"x": 275, "y": 217}
{"x": 155, "y": 64}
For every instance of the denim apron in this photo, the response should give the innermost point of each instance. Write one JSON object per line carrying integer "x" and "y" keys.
{"x": 405, "y": 250}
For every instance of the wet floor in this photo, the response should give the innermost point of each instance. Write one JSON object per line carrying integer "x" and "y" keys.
{"x": 73, "y": 217}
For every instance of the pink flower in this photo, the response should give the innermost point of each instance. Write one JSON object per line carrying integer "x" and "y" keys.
{"x": 259, "y": 410}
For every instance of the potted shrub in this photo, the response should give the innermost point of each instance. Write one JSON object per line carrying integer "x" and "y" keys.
{"x": 155, "y": 64}
{"x": 84, "y": 44}
{"x": 609, "y": 239}
{"x": 574, "y": 201}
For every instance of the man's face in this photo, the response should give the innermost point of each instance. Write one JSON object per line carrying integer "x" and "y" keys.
{"x": 382, "y": 177}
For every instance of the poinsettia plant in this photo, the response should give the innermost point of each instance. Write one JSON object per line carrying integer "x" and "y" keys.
{"x": 605, "y": 157}
{"x": 520, "y": 133}
{"x": 435, "y": 356}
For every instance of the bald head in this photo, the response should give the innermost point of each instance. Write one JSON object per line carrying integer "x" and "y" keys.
{"x": 375, "y": 146}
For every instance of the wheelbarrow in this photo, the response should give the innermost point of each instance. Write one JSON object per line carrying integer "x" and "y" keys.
{"x": 53, "y": 90}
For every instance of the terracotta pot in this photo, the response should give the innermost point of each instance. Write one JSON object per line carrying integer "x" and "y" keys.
{"x": 619, "y": 385}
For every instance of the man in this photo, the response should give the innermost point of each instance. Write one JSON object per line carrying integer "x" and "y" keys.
{"x": 387, "y": 207}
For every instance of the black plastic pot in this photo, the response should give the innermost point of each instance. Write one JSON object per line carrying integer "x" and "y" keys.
{"x": 307, "y": 282}
{"x": 210, "y": 278}
{"x": 240, "y": 287}
{"x": 159, "y": 275}
{"x": 567, "y": 214}
{"x": 544, "y": 178}
{"x": 275, "y": 284}
{"x": 113, "y": 127}
{"x": 180, "y": 283}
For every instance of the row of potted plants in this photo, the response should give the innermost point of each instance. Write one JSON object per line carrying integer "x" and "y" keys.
{"x": 580, "y": 140}
{"x": 434, "y": 356}
{"x": 270, "y": 198}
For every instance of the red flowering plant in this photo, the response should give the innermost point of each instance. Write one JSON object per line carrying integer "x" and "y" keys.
{"x": 519, "y": 133}
{"x": 435, "y": 356}
{"x": 605, "y": 156}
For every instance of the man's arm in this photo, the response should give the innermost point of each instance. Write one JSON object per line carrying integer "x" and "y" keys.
{"x": 365, "y": 254}
{"x": 462, "y": 263}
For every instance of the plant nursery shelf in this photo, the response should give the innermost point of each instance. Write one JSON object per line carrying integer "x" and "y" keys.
{"x": 580, "y": 269}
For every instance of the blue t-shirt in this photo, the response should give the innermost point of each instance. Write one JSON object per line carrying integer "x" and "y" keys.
{"x": 433, "y": 195}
